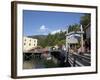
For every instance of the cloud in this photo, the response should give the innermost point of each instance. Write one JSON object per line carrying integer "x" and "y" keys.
{"x": 43, "y": 28}
{"x": 56, "y": 31}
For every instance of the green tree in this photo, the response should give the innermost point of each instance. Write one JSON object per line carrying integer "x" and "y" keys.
{"x": 85, "y": 20}
{"x": 74, "y": 27}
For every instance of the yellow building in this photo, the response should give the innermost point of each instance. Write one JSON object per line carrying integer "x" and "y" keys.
{"x": 29, "y": 43}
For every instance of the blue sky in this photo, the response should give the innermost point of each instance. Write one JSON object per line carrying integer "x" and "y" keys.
{"x": 44, "y": 22}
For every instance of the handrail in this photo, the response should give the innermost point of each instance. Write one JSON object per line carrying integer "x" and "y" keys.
{"x": 79, "y": 60}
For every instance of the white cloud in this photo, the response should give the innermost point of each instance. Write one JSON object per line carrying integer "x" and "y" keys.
{"x": 56, "y": 31}
{"x": 43, "y": 28}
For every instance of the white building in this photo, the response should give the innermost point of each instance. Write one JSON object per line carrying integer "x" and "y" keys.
{"x": 29, "y": 43}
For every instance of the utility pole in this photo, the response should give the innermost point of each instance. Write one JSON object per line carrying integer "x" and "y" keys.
{"x": 67, "y": 45}
{"x": 81, "y": 39}
{"x": 67, "y": 39}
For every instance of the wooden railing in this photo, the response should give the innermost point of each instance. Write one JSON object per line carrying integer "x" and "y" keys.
{"x": 79, "y": 59}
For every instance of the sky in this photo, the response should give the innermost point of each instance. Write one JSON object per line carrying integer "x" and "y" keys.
{"x": 45, "y": 22}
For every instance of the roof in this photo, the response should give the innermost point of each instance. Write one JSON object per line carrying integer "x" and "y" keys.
{"x": 73, "y": 33}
